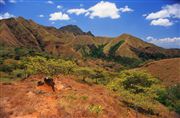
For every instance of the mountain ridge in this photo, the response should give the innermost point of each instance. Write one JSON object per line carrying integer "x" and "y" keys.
{"x": 71, "y": 41}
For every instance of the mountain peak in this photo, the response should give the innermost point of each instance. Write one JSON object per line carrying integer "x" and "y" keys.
{"x": 75, "y": 30}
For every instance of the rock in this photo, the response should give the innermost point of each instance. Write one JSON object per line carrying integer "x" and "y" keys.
{"x": 40, "y": 83}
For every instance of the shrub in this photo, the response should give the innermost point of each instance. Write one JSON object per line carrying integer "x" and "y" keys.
{"x": 137, "y": 89}
{"x": 101, "y": 76}
{"x": 19, "y": 73}
{"x": 46, "y": 66}
{"x": 85, "y": 72}
{"x": 137, "y": 82}
{"x": 9, "y": 65}
{"x": 20, "y": 52}
{"x": 170, "y": 97}
{"x": 91, "y": 75}
{"x": 3, "y": 74}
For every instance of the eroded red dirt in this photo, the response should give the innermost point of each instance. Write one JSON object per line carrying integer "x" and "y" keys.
{"x": 70, "y": 100}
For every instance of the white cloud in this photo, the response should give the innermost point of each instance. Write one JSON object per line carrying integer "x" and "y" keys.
{"x": 12, "y": 1}
{"x": 102, "y": 9}
{"x": 2, "y": 2}
{"x": 6, "y": 16}
{"x": 59, "y": 7}
{"x": 77, "y": 11}
{"x": 162, "y": 17}
{"x": 165, "y": 42}
{"x": 166, "y": 12}
{"x": 161, "y": 22}
{"x": 126, "y": 9}
{"x": 50, "y": 2}
{"x": 58, "y": 16}
{"x": 41, "y": 15}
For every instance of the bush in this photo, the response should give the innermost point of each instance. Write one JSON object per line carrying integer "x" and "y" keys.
{"x": 18, "y": 73}
{"x": 93, "y": 76}
{"x": 137, "y": 82}
{"x": 101, "y": 76}
{"x": 9, "y": 65}
{"x": 138, "y": 90}
{"x": 170, "y": 97}
{"x": 85, "y": 72}
{"x": 38, "y": 64}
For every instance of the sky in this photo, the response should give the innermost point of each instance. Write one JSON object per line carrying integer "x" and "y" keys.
{"x": 154, "y": 21}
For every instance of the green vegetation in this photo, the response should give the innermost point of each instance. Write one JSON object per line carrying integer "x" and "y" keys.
{"x": 146, "y": 56}
{"x": 113, "y": 49}
{"x": 170, "y": 97}
{"x": 126, "y": 61}
{"x": 138, "y": 90}
{"x": 92, "y": 75}
{"x": 95, "y": 108}
{"x": 20, "y": 63}
{"x": 84, "y": 97}
{"x": 97, "y": 51}
{"x": 36, "y": 65}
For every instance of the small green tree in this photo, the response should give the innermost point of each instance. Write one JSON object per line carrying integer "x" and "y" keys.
{"x": 38, "y": 64}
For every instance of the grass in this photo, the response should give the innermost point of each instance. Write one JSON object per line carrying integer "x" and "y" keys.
{"x": 84, "y": 97}
{"x": 5, "y": 80}
{"x": 97, "y": 109}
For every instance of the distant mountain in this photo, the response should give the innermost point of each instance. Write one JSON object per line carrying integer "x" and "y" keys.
{"x": 71, "y": 41}
{"x": 136, "y": 48}
{"x": 75, "y": 30}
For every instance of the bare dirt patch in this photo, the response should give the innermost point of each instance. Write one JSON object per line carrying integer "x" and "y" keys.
{"x": 71, "y": 99}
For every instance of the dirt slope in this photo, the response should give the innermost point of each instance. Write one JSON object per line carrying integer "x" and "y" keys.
{"x": 167, "y": 70}
{"x": 71, "y": 100}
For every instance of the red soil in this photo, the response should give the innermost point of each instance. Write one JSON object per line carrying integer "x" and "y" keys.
{"x": 70, "y": 100}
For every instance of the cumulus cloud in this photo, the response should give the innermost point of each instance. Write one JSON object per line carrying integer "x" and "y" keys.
{"x": 126, "y": 9}
{"x": 77, "y": 11}
{"x": 6, "y": 16}
{"x": 12, "y": 1}
{"x": 161, "y": 22}
{"x": 41, "y": 15}
{"x": 2, "y": 2}
{"x": 58, "y": 16}
{"x": 59, "y": 7}
{"x": 50, "y": 2}
{"x": 165, "y": 14}
{"x": 165, "y": 42}
{"x": 102, "y": 9}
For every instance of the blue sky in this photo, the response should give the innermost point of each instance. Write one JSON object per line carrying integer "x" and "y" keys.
{"x": 155, "y": 21}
